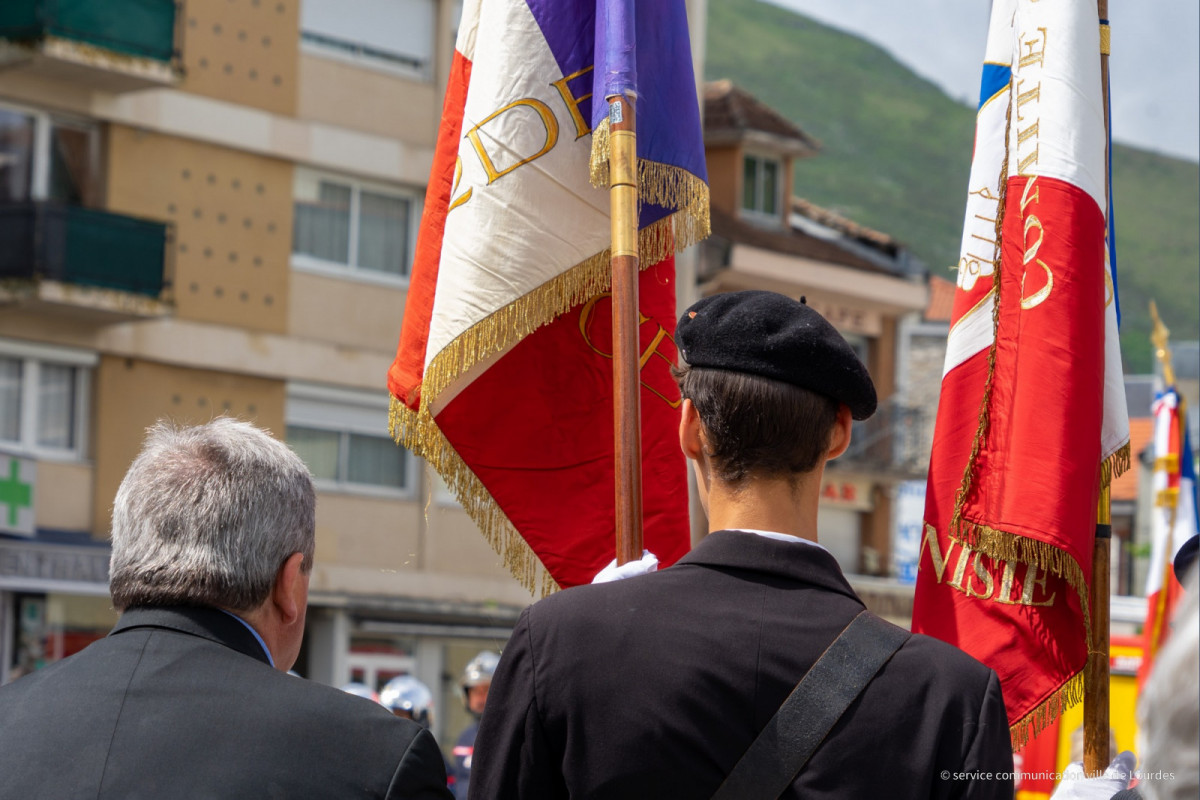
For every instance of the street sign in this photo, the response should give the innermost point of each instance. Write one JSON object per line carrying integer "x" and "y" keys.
{"x": 17, "y": 479}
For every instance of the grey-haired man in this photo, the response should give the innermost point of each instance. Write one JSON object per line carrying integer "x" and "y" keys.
{"x": 213, "y": 538}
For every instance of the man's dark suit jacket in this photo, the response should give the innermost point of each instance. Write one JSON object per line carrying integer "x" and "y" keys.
{"x": 182, "y": 703}
{"x": 653, "y": 687}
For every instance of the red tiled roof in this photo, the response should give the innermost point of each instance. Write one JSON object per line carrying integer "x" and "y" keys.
{"x": 728, "y": 108}
{"x": 941, "y": 299}
{"x": 1141, "y": 432}
{"x": 831, "y": 219}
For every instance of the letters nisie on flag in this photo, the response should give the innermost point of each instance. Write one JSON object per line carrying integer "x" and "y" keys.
{"x": 503, "y": 376}
{"x": 1031, "y": 419}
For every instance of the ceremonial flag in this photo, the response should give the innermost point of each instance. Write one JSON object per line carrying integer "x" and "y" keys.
{"x": 1174, "y": 520}
{"x": 503, "y": 376}
{"x": 1031, "y": 418}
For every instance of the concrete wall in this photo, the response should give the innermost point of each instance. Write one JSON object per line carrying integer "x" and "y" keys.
{"x": 345, "y": 312}
{"x": 368, "y": 100}
{"x": 242, "y": 51}
{"x": 232, "y": 218}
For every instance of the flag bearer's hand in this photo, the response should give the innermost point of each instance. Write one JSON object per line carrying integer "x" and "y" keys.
{"x": 1075, "y": 786}
{"x": 645, "y": 565}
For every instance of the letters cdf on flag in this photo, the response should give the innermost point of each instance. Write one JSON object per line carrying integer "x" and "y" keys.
{"x": 1031, "y": 420}
{"x": 503, "y": 376}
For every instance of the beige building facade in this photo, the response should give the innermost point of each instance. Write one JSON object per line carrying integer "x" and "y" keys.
{"x": 209, "y": 208}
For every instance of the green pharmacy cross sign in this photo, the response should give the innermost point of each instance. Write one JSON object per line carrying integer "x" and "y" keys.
{"x": 17, "y": 479}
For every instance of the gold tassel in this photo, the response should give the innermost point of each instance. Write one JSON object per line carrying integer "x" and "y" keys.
{"x": 662, "y": 185}
{"x": 1115, "y": 465}
{"x": 417, "y": 432}
{"x": 1050, "y": 709}
{"x": 598, "y": 165}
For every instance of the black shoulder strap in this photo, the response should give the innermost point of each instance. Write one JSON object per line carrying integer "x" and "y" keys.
{"x": 784, "y": 746}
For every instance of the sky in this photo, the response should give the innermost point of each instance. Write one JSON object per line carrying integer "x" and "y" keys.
{"x": 1154, "y": 68}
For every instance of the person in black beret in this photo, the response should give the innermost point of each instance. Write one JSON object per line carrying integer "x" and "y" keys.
{"x": 657, "y": 685}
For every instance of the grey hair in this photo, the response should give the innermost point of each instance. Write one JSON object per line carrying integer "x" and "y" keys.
{"x": 1169, "y": 710}
{"x": 207, "y": 515}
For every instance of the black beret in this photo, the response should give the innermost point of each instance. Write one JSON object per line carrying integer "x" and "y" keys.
{"x": 768, "y": 334}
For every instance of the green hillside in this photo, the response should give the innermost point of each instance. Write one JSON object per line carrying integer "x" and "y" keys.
{"x": 896, "y": 154}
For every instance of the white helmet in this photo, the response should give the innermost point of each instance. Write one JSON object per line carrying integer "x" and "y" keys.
{"x": 407, "y": 694}
{"x": 480, "y": 669}
{"x": 361, "y": 690}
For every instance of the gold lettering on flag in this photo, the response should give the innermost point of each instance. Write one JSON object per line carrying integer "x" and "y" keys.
{"x": 1034, "y": 48}
{"x": 1029, "y": 197}
{"x": 543, "y": 113}
{"x": 465, "y": 196}
{"x": 652, "y": 350}
{"x": 582, "y": 127}
{"x": 980, "y": 582}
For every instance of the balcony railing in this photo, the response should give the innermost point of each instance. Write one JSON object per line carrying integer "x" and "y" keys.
{"x": 895, "y": 439}
{"x": 138, "y": 28}
{"x": 83, "y": 247}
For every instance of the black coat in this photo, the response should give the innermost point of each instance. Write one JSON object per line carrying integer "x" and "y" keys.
{"x": 181, "y": 703}
{"x": 653, "y": 687}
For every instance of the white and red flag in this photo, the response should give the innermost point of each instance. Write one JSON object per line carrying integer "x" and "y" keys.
{"x": 503, "y": 376}
{"x": 1031, "y": 419}
{"x": 1174, "y": 520}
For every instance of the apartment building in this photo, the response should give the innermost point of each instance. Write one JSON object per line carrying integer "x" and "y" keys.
{"x": 209, "y": 207}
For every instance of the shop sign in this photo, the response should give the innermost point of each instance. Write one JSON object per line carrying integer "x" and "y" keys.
{"x": 17, "y": 479}
{"x": 846, "y": 493}
{"x": 54, "y": 563}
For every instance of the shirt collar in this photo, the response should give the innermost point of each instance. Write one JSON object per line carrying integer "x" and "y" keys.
{"x": 259, "y": 639}
{"x": 782, "y": 537}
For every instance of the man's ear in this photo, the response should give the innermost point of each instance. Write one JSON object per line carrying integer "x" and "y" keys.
{"x": 839, "y": 439}
{"x": 290, "y": 592}
{"x": 690, "y": 436}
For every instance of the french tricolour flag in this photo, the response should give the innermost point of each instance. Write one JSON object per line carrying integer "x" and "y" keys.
{"x": 503, "y": 375}
{"x": 1174, "y": 520}
{"x": 1031, "y": 418}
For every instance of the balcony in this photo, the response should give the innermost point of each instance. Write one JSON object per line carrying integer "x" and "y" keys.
{"x": 895, "y": 440}
{"x": 110, "y": 45}
{"x": 93, "y": 262}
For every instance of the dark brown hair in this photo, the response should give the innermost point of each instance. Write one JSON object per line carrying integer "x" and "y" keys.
{"x": 758, "y": 427}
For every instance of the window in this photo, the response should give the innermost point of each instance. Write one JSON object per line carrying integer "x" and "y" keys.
{"x": 390, "y": 34}
{"x": 351, "y": 227}
{"x": 43, "y": 399}
{"x": 761, "y": 185}
{"x": 47, "y": 158}
{"x": 342, "y": 435}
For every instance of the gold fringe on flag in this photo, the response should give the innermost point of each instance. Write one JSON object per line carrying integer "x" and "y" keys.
{"x": 1043, "y": 715}
{"x": 1115, "y": 465}
{"x": 418, "y": 432}
{"x": 661, "y": 185}
{"x": 512, "y": 323}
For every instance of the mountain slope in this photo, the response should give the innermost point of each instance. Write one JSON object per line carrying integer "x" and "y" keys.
{"x": 896, "y": 154}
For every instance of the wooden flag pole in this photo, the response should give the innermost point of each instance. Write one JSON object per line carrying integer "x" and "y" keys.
{"x": 627, "y": 409}
{"x": 1096, "y": 754}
